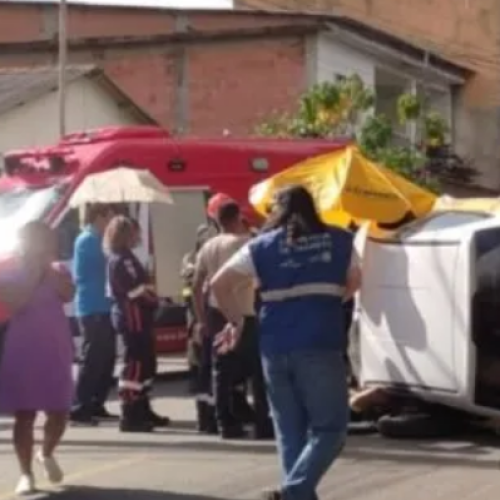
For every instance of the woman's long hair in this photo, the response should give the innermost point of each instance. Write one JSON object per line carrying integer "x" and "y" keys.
{"x": 119, "y": 235}
{"x": 294, "y": 210}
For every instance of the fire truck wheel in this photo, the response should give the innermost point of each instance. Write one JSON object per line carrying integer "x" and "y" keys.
{"x": 417, "y": 426}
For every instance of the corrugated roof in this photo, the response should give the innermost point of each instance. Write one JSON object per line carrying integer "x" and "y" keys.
{"x": 20, "y": 85}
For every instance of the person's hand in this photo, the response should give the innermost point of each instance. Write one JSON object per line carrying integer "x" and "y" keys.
{"x": 227, "y": 340}
{"x": 197, "y": 336}
{"x": 200, "y": 330}
{"x": 150, "y": 291}
{"x": 61, "y": 278}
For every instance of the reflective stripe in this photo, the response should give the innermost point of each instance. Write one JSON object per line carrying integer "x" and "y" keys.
{"x": 299, "y": 291}
{"x": 127, "y": 384}
{"x": 148, "y": 382}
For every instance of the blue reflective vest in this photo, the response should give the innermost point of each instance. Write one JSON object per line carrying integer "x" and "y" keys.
{"x": 301, "y": 289}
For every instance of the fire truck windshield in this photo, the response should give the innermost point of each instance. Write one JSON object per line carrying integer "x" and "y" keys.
{"x": 20, "y": 205}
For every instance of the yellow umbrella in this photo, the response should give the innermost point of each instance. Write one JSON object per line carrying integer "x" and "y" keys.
{"x": 347, "y": 187}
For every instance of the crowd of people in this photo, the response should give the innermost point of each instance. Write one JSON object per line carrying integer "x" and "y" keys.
{"x": 267, "y": 312}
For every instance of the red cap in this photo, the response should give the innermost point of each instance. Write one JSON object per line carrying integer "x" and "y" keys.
{"x": 215, "y": 202}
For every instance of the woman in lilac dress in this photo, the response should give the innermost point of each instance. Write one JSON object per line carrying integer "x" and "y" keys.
{"x": 36, "y": 367}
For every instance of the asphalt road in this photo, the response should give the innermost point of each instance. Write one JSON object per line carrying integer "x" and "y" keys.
{"x": 178, "y": 464}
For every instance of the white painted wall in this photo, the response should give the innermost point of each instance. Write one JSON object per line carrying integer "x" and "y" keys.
{"x": 335, "y": 59}
{"x": 36, "y": 122}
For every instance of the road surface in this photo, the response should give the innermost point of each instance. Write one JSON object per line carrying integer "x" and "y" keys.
{"x": 178, "y": 464}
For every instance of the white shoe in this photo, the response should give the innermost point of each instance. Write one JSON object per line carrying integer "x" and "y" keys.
{"x": 26, "y": 485}
{"x": 53, "y": 471}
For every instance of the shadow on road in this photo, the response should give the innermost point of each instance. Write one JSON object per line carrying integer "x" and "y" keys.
{"x": 203, "y": 446}
{"x": 86, "y": 492}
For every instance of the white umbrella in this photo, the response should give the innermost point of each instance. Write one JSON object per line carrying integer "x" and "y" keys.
{"x": 121, "y": 185}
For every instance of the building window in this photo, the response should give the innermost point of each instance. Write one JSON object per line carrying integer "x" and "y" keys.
{"x": 390, "y": 85}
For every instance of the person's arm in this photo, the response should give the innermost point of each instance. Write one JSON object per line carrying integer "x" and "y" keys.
{"x": 16, "y": 293}
{"x": 238, "y": 269}
{"x": 125, "y": 279}
{"x": 62, "y": 282}
{"x": 187, "y": 267}
{"x": 354, "y": 278}
{"x": 199, "y": 281}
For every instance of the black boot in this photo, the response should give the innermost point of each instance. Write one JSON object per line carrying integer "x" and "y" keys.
{"x": 233, "y": 431}
{"x": 207, "y": 423}
{"x": 241, "y": 408}
{"x": 155, "y": 419}
{"x": 263, "y": 431}
{"x": 201, "y": 416}
{"x": 134, "y": 419}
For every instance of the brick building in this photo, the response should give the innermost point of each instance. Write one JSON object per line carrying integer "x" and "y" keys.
{"x": 466, "y": 31}
{"x": 206, "y": 72}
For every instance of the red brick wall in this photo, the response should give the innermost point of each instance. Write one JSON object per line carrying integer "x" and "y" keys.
{"x": 232, "y": 85}
{"x": 465, "y": 30}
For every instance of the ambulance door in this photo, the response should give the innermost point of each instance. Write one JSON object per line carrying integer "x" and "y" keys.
{"x": 174, "y": 235}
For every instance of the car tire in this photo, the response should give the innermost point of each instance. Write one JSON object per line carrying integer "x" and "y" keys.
{"x": 418, "y": 426}
{"x": 362, "y": 428}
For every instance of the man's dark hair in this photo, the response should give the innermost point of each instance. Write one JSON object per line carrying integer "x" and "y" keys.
{"x": 228, "y": 214}
{"x": 96, "y": 210}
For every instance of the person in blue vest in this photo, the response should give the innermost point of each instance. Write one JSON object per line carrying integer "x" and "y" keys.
{"x": 305, "y": 270}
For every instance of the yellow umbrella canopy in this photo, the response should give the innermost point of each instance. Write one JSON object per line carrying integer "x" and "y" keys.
{"x": 349, "y": 188}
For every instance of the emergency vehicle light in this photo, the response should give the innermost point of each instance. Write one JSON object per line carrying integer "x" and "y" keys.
{"x": 15, "y": 165}
{"x": 259, "y": 164}
{"x": 177, "y": 165}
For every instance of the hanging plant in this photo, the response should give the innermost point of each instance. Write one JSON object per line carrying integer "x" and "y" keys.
{"x": 346, "y": 107}
{"x": 409, "y": 108}
{"x": 436, "y": 129}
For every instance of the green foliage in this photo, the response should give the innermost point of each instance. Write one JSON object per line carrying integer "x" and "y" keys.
{"x": 409, "y": 108}
{"x": 346, "y": 108}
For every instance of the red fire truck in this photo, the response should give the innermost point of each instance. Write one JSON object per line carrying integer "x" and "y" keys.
{"x": 38, "y": 183}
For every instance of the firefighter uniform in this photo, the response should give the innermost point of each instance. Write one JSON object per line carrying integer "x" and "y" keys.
{"x": 132, "y": 316}
{"x": 218, "y": 384}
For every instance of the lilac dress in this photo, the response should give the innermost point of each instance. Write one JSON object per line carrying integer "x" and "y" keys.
{"x": 36, "y": 366}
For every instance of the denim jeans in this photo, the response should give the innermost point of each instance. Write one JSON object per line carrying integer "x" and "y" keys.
{"x": 308, "y": 396}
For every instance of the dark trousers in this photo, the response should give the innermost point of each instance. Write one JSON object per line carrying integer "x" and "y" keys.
{"x": 204, "y": 386}
{"x": 249, "y": 369}
{"x": 95, "y": 377}
{"x": 348, "y": 308}
{"x": 225, "y": 374}
{"x": 139, "y": 369}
